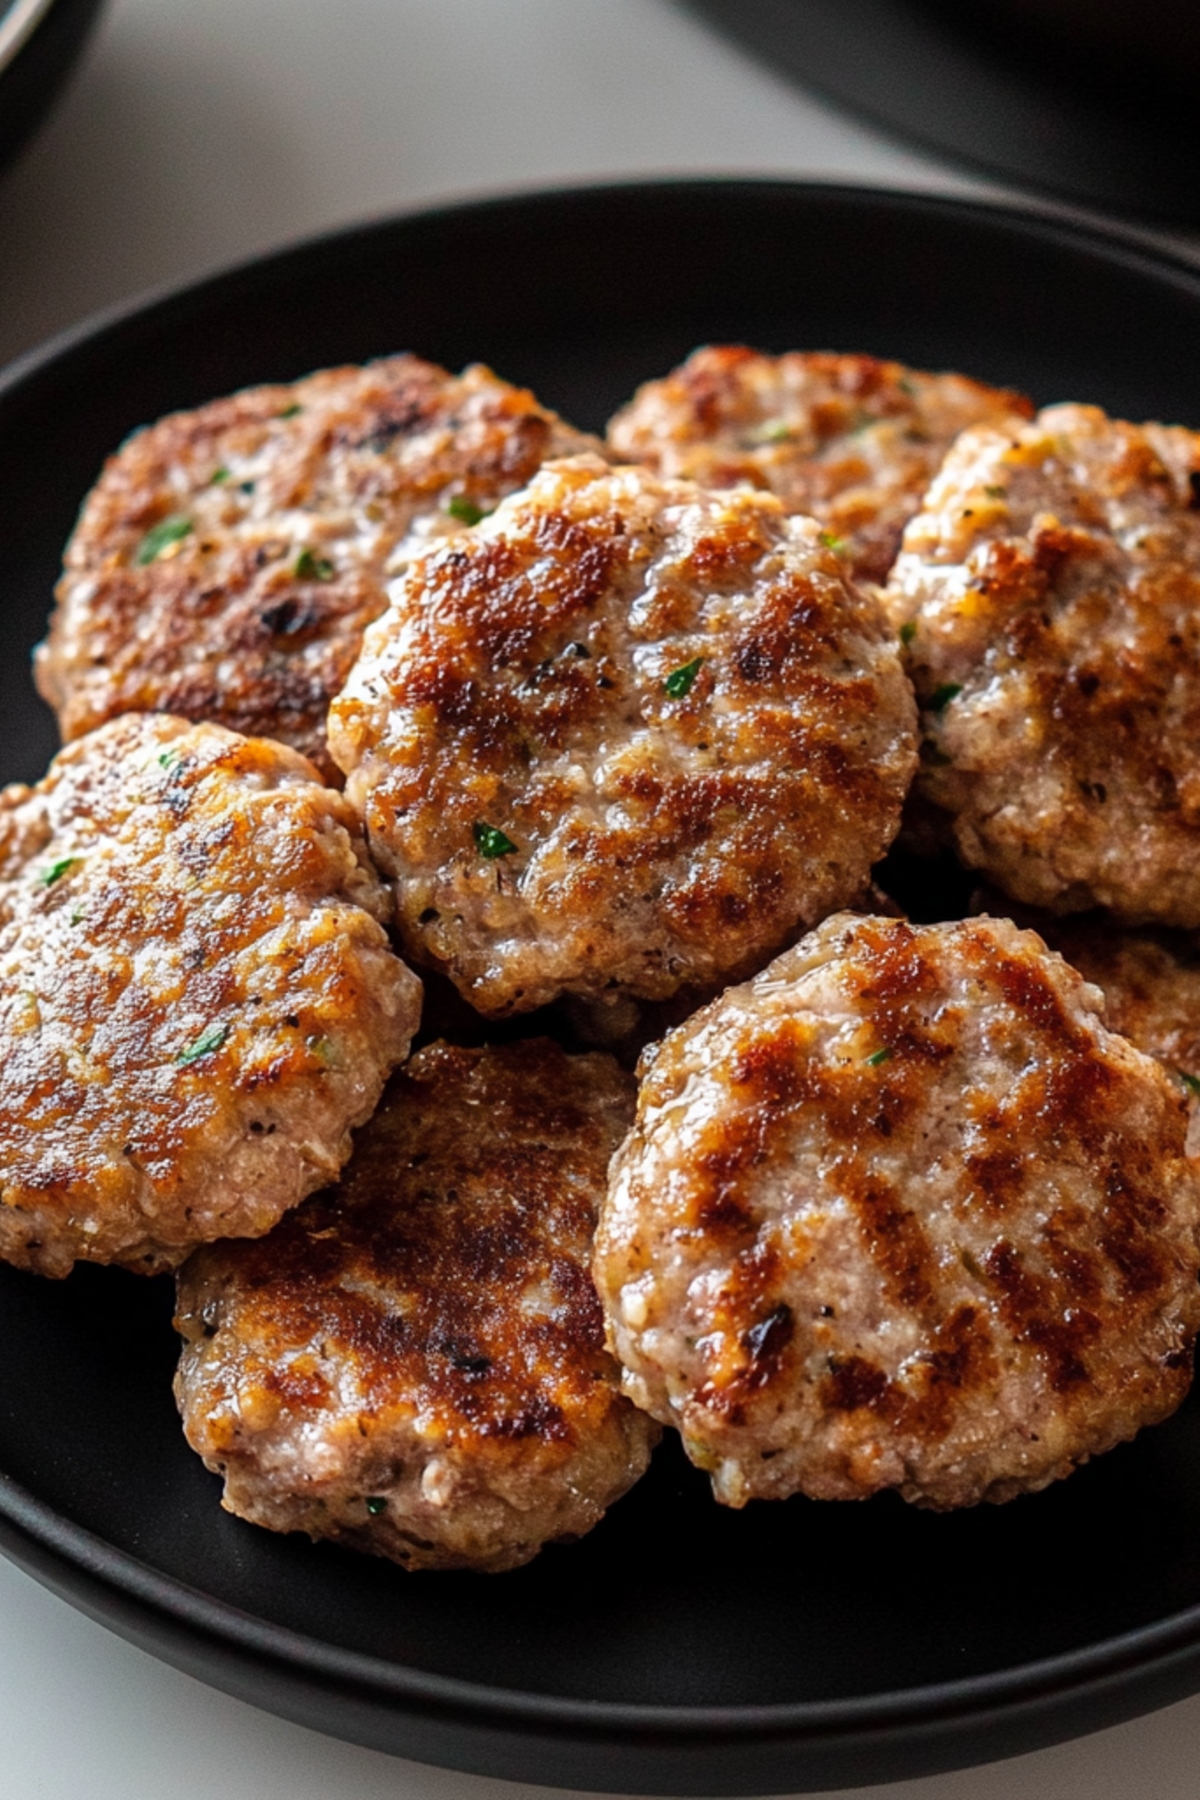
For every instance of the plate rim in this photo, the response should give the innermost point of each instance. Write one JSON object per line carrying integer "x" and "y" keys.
{"x": 33, "y": 1530}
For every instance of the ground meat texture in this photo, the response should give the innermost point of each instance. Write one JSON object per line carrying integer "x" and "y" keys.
{"x": 413, "y": 1363}
{"x": 902, "y": 1213}
{"x": 197, "y": 999}
{"x": 1049, "y": 596}
{"x": 849, "y": 439}
{"x": 629, "y": 738}
{"x": 228, "y": 559}
{"x": 1150, "y": 981}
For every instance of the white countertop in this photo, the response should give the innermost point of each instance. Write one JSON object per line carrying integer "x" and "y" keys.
{"x": 197, "y": 133}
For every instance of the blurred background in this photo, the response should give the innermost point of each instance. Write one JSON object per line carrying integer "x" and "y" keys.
{"x": 195, "y": 133}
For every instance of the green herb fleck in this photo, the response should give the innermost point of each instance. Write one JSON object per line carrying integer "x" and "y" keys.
{"x": 289, "y": 412}
{"x": 76, "y": 916}
{"x": 465, "y": 511}
{"x": 308, "y": 567}
{"x": 775, "y": 431}
{"x": 491, "y": 842}
{"x": 1190, "y": 1082}
{"x": 833, "y": 542}
{"x": 679, "y": 681}
{"x": 246, "y": 487}
{"x": 996, "y": 493}
{"x": 941, "y": 697}
{"x": 906, "y": 386}
{"x": 325, "y": 1051}
{"x": 876, "y": 1057}
{"x": 57, "y": 870}
{"x": 376, "y": 1504}
{"x": 219, "y": 474}
{"x": 908, "y": 631}
{"x": 205, "y": 1044}
{"x": 170, "y": 759}
{"x": 160, "y": 537}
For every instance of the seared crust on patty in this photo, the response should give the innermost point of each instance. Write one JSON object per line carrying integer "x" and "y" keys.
{"x": 901, "y": 1213}
{"x": 228, "y": 559}
{"x": 629, "y": 736}
{"x": 196, "y": 1003}
{"x": 1050, "y": 596}
{"x": 413, "y": 1363}
{"x": 850, "y": 439}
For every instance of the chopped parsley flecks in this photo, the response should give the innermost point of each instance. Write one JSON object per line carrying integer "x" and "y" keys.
{"x": 325, "y": 1051}
{"x": 465, "y": 511}
{"x": 160, "y": 538}
{"x": 220, "y": 474}
{"x": 996, "y": 493}
{"x": 308, "y": 567}
{"x": 204, "y": 1045}
{"x": 289, "y": 412}
{"x": 906, "y": 387}
{"x": 679, "y": 681}
{"x": 170, "y": 759}
{"x": 876, "y": 1057}
{"x": 941, "y": 697}
{"x": 833, "y": 542}
{"x": 490, "y": 841}
{"x": 246, "y": 487}
{"x": 57, "y": 870}
{"x": 775, "y": 431}
{"x": 908, "y": 631}
{"x": 376, "y": 1504}
{"x": 1190, "y": 1082}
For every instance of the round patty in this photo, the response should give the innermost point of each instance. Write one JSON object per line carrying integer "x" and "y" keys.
{"x": 849, "y": 439}
{"x": 1049, "y": 596}
{"x": 226, "y": 562}
{"x": 197, "y": 1001}
{"x": 413, "y": 1363}
{"x": 901, "y": 1213}
{"x": 629, "y": 736}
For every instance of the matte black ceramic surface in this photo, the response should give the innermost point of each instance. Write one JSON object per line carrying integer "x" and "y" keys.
{"x": 37, "y": 61}
{"x": 1037, "y": 93}
{"x": 680, "y": 1648}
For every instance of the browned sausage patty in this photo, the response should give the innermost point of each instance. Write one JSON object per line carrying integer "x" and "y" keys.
{"x": 413, "y": 1363}
{"x": 1049, "y": 594}
{"x": 849, "y": 439}
{"x": 196, "y": 1003}
{"x": 226, "y": 562}
{"x": 629, "y": 736}
{"x": 901, "y": 1213}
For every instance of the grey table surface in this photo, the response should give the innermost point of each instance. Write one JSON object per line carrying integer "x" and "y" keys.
{"x": 199, "y": 132}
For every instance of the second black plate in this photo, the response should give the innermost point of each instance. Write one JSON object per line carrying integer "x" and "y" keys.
{"x": 680, "y": 1648}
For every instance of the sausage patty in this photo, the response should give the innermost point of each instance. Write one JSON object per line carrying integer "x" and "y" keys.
{"x": 226, "y": 562}
{"x": 849, "y": 439}
{"x": 1049, "y": 595}
{"x": 413, "y": 1363}
{"x": 902, "y": 1213}
{"x": 197, "y": 999}
{"x": 629, "y": 736}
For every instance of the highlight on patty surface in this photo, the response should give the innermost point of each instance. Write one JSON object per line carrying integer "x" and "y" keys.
{"x": 1049, "y": 599}
{"x": 227, "y": 560}
{"x": 197, "y": 999}
{"x": 902, "y": 1213}
{"x": 413, "y": 1362}
{"x": 627, "y": 737}
{"x": 850, "y": 439}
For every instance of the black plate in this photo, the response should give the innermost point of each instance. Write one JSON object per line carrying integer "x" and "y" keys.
{"x": 680, "y": 1648}
{"x": 39, "y": 42}
{"x": 1031, "y": 94}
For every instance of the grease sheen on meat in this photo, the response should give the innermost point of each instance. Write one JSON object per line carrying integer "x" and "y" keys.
{"x": 902, "y": 1213}
{"x": 630, "y": 736}
{"x": 197, "y": 999}
{"x": 1050, "y": 593}
{"x": 413, "y": 1363}
{"x": 850, "y": 439}
{"x": 226, "y": 562}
